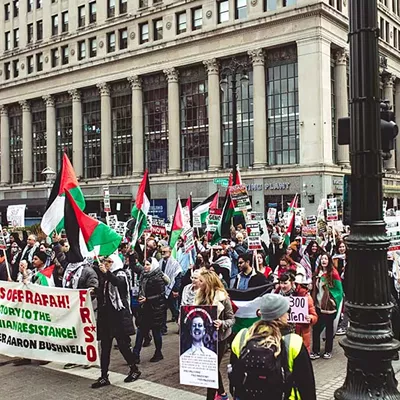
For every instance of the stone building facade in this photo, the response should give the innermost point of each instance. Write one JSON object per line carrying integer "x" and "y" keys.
{"x": 124, "y": 85}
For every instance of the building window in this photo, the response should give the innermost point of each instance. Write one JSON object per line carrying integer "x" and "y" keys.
{"x": 15, "y": 8}
{"x": 270, "y": 5}
{"x": 39, "y": 3}
{"x": 143, "y": 3}
{"x": 30, "y": 33}
{"x": 223, "y": 11}
{"x": 387, "y": 32}
{"x": 39, "y": 30}
{"x": 123, "y": 6}
{"x": 197, "y": 18}
{"x": 395, "y": 38}
{"x": 63, "y": 127}
{"x": 54, "y": 25}
{"x": 81, "y": 16}
{"x": 382, "y": 28}
{"x": 282, "y": 107}
{"x": 333, "y": 111}
{"x": 92, "y": 12}
{"x": 55, "y": 58}
{"x": 121, "y": 119}
{"x": 15, "y": 121}
{"x": 7, "y": 71}
{"x": 123, "y": 39}
{"x": 7, "y": 40}
{"x": 64, "y": 22}
{"x": 39, "y": 149}
{"x": 15, "y": 68}
{"x": 81, "y": 50}
{"x": 91, "y": 117}
{"x": 194, "y": 119}
{"x": 240, "y": 9}
{"x": 110, "y": 8}
{"x": 288, "y": 3}
{"x": 30, "y": 5}
{"x": 7, "y": 11}
{"x": 155, "y": 2}
{"x": 155, "y": 110}
{"x": 39, "y": 62}
{"x": 16, "y": 37}
{"x": 244, "y": 117}
{"x": 144, "y": 32}
{"x": 110, "y": 42}
{"x": 29, "y": 64}
{"x": 92, "y": 47}
{"x": 64, "y": 55}
{"x": 181, "y": 25}
{"x": 158, "y": 29}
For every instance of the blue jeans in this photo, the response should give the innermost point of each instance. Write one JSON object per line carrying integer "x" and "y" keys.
{"x": 141, "y": 334}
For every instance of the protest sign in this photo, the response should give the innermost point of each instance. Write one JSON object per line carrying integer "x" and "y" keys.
{"x": 3, "y": 243}
{"x": 271, "y": 216}
{"x": 93, "y": 215}
{"x": 106, "y": 198}
{"x": 198, "y": 361}
{"x": 189, "y": 240}
{"x": 298, "y": 310}
{"x": 16, "y": 215}
{"x": 196, "y": 221}
{"x": 240, "y": 198}
{"x": 213, "y": 219}
{"x": 309, "y": 231}
{"x": 331, "y": 210}
{"x": 253, "y": 236}
{"x": 121, "y": 228}
{"x": 158, "y": 226}
{"x": 112, "y": 221}
{"x": 46, "y": 323}
{"x": 393, "y": 232}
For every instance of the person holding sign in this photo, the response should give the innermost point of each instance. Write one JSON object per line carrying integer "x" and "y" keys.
{"x": 300, "y": 301}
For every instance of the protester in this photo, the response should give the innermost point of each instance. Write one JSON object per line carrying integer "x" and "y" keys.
{"x": 339, "y": 260}
{"x": 248, "y": 277}
{"x": 13, "y": 255}
{"x": 241, "y": 245}
{"x": 153, "y": 305}
{"x": 29, "y": 250}
{"x": 212, "y": 292}
{"x": 286, "y": 264}
{"x": 24, "y": 274}
{"x": 311, "y": 257}
{"x": 292, "y": 252}
{"x": 262, "y": 267}
{"x": 5, "y": 273}
{"x": 270, "y": 333}
{"x": 44, "y": 274}
{"x": 190, "y": 290}
{"x": 152, "y": 249}
{"x": 173, "y": 270}
{"x": 276, "y": 250}
{"x": 114, "y": 318}
{"x": 327, "y": 294}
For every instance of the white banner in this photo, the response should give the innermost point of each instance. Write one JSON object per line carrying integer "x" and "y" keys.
{"x": 16, "y": 215}
{"x": 49, "y": 324}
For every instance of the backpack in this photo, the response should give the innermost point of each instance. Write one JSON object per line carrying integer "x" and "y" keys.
{"x": 258, "y": 375}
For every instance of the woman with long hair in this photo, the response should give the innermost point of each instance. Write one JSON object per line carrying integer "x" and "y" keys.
{"x": 271, "y": 332}
{"x": 311, "y": 257}
{"x": 327, "y": 293}
{"x": 202, "y": 261}
{"x": 262, "y": 265}
{"x": 212, "y": 292}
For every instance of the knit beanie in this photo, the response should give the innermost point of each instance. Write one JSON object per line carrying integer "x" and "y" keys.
{"x": 273, "y": 306}
{"x": 41, "y": 255}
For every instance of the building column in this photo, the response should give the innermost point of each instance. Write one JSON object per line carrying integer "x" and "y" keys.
{"x": 342, "y": 102}
{"x": 315, "y": 114}
{"x": 137, "y": 126}
{"x": 106, "y": 131}
{"x": 174, "y": 143}
{"x": 27, "y": 164}
{"x": 388, "y": 82}
{"x": 77, "y": 135}
{"x": 5, "y": 146}
{"x": 397, "y": 113}
{"x": 214, "y": 115}
{"x": 259, "y": 107}
{"x": 51, "y": 135}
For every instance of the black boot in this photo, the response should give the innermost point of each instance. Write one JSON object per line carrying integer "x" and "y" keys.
{"x": 147, "y": 340}
{"x": 133, "y": 375}
{"x": 157, "y": 357}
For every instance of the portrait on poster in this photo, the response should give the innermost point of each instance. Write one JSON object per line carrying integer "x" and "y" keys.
{"x": 198, "y": 361}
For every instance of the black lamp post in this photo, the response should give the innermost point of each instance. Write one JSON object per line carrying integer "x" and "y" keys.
{"x": 231, "y": 69}
{"x": 369, "y": 344}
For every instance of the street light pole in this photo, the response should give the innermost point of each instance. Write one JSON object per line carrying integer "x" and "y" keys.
{"x": 369, "y": 344}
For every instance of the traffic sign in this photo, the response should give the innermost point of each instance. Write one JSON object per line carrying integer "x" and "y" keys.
{"x": 221, "y": 181}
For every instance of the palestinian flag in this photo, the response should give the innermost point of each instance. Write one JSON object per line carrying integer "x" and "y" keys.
{"x": 177, "y": 225}
{"x": 203, "y": 209}
{"x": 223, "y": 228}
{"x": 45, "y": 276}
{"x": 86, "y": 234}
{"x": 290, "y": 229}
{"x": 53, "y": 218}
{"x": 238, "y": 180}
{"x": 141, "y": 208}
{"x": 293, "y": 204}
{"x": 245, "y": 304}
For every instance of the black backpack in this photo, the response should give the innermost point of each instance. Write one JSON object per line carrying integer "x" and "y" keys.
{"x": 258, "y": 375}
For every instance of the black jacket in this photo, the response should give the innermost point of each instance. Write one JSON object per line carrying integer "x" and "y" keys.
{"x": 275, "y": 252}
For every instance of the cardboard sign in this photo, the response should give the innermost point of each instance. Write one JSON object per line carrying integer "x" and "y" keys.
{"x": 121, "y": 228}
{"x": 271, "y": 216}
{"x": 196, "y": 221}
{"x": 213, "y": 219}
{"x": 16, "y": 215}
{"x": 240, "y": 198}
{"x": 253, "y": 236}
{"x": 189, "y": 240}
{"x": 255, "y": 216}
{"x": 158, "y": 226}
{"x": 331, "y": 210}
{"x": 298, "y": 310}
{"x": 112, "y": 221}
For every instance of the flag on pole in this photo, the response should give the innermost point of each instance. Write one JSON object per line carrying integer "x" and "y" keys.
{"x": 224, "y": 225}
{"x": 53, "y": 218}
{"x": 238, "y": 178}
{"x": 189, "y": 209}
{"x": 203, "y": 209}
{"x": 290, "y": 229}
{"x": 141, "y": 208}
{"x": 86, "y": 234}
{"x": 177, "y": 225}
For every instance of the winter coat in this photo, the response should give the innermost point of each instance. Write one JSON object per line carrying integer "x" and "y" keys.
{"x": 151, "y": 312}
{"x": 111, "y": 322}
{"x": 256, "y": 279}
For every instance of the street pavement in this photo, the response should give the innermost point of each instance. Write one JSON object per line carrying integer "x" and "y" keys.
{"x": 158, "y": 381}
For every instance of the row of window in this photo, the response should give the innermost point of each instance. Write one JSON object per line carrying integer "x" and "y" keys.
{"x": 390, "y": 37}
{"x": 282, "y": 110}
{"x": 394, "y": 4}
